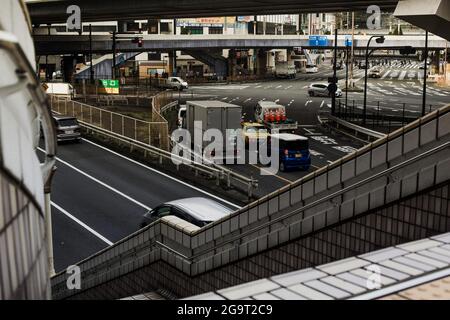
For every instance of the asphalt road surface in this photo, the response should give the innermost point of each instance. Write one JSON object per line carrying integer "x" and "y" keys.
{"x": 99, "y": 197}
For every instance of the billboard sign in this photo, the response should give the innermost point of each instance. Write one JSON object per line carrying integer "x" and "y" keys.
{"x": 205, "y": 22}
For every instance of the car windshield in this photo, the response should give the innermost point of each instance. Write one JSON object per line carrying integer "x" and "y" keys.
{"x": 67, "y": 122}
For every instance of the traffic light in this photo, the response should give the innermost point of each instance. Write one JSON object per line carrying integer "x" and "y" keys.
{"x": 138, "y": 41}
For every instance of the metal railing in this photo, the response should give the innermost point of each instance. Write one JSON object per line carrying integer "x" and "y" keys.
{"x": 151, "y": 133}
{"x": 380, "y": 114}
{"x": 351, "y": 129}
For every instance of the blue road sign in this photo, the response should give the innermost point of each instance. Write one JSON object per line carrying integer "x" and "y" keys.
{"x": 348, "y": 41}
{"x": 318, "y": 41}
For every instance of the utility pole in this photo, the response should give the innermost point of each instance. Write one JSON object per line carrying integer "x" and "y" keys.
{"x": 114, "y": 56}
{"x": 333, "y": 92}
{"x": 353, "y": 49}
{"x": 90, "y": 55}
{"x": 425, "y": 75}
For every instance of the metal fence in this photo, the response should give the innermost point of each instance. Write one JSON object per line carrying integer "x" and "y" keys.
{"x": 381, "y": 115}
{"x": 153, "y": 133}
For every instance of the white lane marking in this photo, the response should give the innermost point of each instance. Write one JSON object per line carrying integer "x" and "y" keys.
{"x": 308, "y": 102}
{"x": 165, "y": 175}
{"x": 101, "y": 183}
{"x": 385, "y": 75}
{"x": 226, "y": 98}
{"x": 248, "y": 100}
{"x": 321, "y": 105}
{"x": 288, "y": 87}
{"x": 278, "y": 100}
{"x": 279, "y": 87}
{"x": 402, "y": 75}
{"x": 85, "y": 226}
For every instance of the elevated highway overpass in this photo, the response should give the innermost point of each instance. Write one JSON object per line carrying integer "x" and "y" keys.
{"x": 43, "y": 12}
{"x": 102, "y": 44}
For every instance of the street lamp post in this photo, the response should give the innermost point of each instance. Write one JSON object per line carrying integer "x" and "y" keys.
{"x": 379, "y": 39}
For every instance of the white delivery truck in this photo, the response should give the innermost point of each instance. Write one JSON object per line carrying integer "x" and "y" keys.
{"x": 214, "y": 115}
{"x": 273, "y": 117}
{"x": 174, "y": 83}
{"x": 60, "y": 89}
{"x": 285, "y": 69}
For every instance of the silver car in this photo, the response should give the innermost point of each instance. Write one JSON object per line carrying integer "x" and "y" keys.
{"x": 198, "y": 211}
{"x": 321, "y": 90}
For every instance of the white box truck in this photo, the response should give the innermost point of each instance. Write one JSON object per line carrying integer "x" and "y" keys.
{"x": 285, "y": 69}
{"x": 214, "y": 115}
{"x": 60, "y": 89}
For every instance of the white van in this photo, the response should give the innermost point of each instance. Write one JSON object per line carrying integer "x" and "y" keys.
{"x": 59, "y": 88}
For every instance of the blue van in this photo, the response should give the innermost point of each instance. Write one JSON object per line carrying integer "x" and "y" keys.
{"x": 294, "y": 151}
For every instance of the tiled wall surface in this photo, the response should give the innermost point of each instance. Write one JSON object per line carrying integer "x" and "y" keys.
{"x": 23, "y": 254}
{"x": 413, "y": 219}
{"x": 368, "y": 276}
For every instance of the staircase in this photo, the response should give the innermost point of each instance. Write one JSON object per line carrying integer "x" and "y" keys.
{"x": 103, "y": 66}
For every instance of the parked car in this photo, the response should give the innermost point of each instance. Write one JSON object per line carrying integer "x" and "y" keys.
{"x": 198, "y": 211}
{"x": 310, "y": 68}
{"x": 67, "y": 128}
{"x": 293, "y": 151}
{"x": 321, "y": 90}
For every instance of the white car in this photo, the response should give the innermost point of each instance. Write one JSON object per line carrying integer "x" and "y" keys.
{"x": 311, "y": 69}
{"x": 176, "y": 83}
{"x": 321, "y": 90}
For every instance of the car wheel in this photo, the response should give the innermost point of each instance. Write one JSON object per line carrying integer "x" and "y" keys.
{"x": 282, "y": 167}
{"x": 311, "y": 94}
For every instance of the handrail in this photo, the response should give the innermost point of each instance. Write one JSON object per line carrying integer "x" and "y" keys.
{"x": 368, "y": 132}
{"x": 331, "y": 196}
{"x": 149, "y": 148}
{"x": 10, "y": 44}
{"x": 251, "y": 182}
{"x": 218, "y": 172}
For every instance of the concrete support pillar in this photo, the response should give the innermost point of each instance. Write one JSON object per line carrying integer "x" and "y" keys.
{"x": 69, "y": 64}
{"x": 261, "y": 62}
{"x": 172, "y": 62}
{"x": 232, "y": 63}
